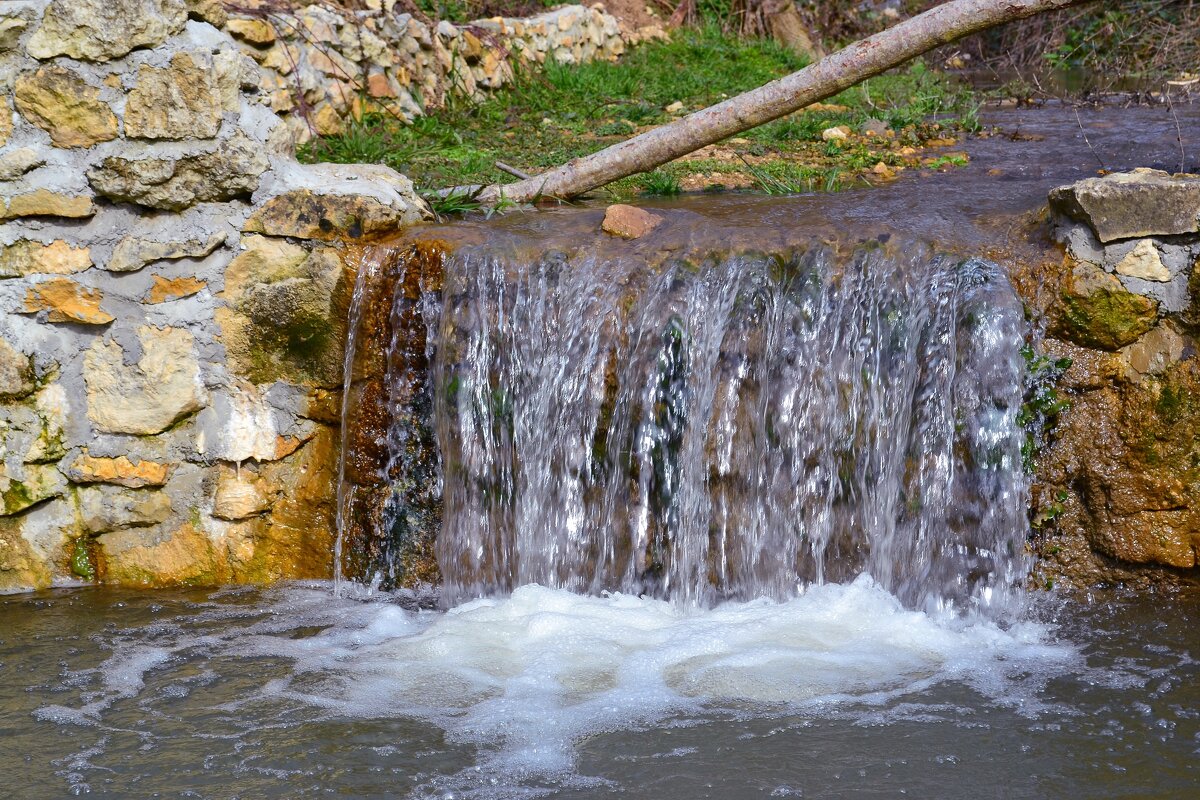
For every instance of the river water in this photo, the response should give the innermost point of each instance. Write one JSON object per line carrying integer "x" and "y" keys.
{"x": 898, "y": 662}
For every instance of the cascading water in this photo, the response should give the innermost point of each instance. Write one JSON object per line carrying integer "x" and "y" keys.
{"x": 730, "y": 428}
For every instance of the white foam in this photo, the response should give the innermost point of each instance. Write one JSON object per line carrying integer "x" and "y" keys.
{"x": 527, "y": 677}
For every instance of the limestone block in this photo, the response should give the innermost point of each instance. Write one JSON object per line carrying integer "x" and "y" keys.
{"x": 335, "y": 201}
{"x": 231, "y": 170}
{"x": 119, "y": 471}
{"x": 1129, "y": 205}
{"x": 105, "y": 508}
{"x": 148, "y": 397}
{"x": 180, "y": 101}
{"x": 100, "y": 30}
{"x": 16, "y": 163}
{"x": 64, "y": 300}
{"x": 285, "y": 313}
{"x": 1155, "y": 352}
{"x": 33, "y": 546}
{"x": 1144, "y": 262}
{"x": 35, "y": 484}
{"x": 24, "y": 257}
{"x": 13, "y": 25}
{"x": 134, "y": 252}
{"x": 16, "y": 372}
{"x": 164, "y": 290}
{"x": 61, "y": 103}
{"x": 49, "y": 203}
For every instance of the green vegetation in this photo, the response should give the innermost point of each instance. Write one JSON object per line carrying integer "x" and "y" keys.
{"x": 1042, "y": 405}
{"x": 556, "y": 113}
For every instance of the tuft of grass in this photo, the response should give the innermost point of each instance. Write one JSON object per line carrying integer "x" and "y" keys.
{"x": 659, "y": 183}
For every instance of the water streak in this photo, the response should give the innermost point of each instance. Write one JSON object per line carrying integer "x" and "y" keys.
{"x": 733, "y": 428}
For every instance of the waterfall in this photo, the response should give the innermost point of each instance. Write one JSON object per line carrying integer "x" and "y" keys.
{"x": 728, "y": 427}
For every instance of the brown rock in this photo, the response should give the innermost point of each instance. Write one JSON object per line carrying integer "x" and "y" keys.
{"x": 379, "y": 86}
{"x": 257, "y": 32}
{"x": 180, "y": 101}
{"x": 629, "y": 222}
{"x": 24, "y": 257}
{"x": 100, "y": 30}
{"x": 59, "y": 102}
{"x": 49, "y": 203}
{"x": 166, "y": 289}
{"x": 211, "y": 11}
{"x": 120, "y": 471}
{"x": 66, "y": 301}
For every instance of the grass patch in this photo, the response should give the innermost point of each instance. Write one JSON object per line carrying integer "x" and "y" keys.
{"x": 557, "y": 113}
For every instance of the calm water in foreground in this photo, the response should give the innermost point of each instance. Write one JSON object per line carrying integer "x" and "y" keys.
{"x": 837, "y": 693}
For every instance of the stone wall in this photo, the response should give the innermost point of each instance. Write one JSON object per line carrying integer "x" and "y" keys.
{"x": 174, "y": 286}
{"x": 321, "y": 63}
{"x": 1118, "y": 493}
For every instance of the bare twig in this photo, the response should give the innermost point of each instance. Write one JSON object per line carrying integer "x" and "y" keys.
{"x": 1099, "y": 160}
{"x": 1178, "y": 134}
{"x": 516, "y": 173}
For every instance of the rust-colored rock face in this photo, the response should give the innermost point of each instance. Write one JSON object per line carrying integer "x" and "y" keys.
{"x": 1117, "y": 492}
{"x": 393, "y": 512}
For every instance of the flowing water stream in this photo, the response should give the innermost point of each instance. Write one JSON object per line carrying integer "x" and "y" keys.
{"x": 734, "y": 511}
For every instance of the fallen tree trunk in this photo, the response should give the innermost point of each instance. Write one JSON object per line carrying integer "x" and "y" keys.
{"x": 832, "y": 74}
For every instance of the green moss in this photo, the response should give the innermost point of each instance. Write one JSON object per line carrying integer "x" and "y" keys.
{"x": 301, "y": 348}
{"x": 16, "y": 497}
{"x": 81, "y": 560}
{"x": 1107, "y": 319}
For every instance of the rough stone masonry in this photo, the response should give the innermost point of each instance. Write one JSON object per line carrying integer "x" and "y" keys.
{"x": 173, "y": 284}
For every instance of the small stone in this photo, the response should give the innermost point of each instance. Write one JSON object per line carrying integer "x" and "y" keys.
{"x": 240, "y": 494}
{"x": 16, "y": 372}
{"x": 49, "y": 203}
{"x": 61, "y": 103}
{"x": 629, "y": 222}
{"x": 1131, "y": 205}
{"x": 100, "y": 30}
{"x": 257, "y": 32}
{"x": 119, "y": 471}
{"x": 104, "y": 508}
{"x": 875, "y": 127}
{"x": 229, "y": 171}
{"x": 166, "y": 289}
{"x": 1144, "y": 262}
{"x": 378, "y": 86}
{"x": 675, "y": 108}
{"x": 177, "y": 102}
{"x": 150, "y": 396}
{"x": 24, "y": 257}
{"x": 16, "y": 163}
{"x": 66, "y": 301}
{"x": 835, "y": 134}
{"x": 883, "y": 171}
{"x": 132, "y": 253}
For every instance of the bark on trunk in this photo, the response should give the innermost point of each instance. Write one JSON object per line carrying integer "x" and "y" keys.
{"x": 832, "y": 74}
